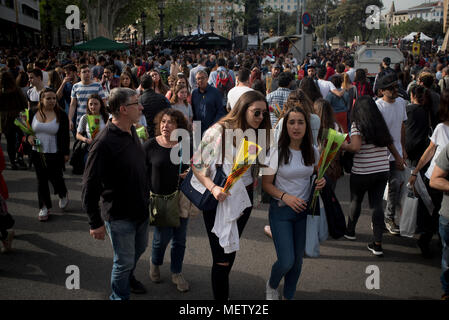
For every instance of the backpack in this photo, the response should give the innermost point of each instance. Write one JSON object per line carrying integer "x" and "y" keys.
{"x": 224, "y": 82}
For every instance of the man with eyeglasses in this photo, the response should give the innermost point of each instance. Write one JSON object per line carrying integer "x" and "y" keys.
{"x": 115, "y": 191}
{"x": 207, "y": 102}
{"x": 393, "y": 109}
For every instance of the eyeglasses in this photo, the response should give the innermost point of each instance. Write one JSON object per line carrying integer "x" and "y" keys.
{"x": 200, "y": 78}
{"x": 132, "y": 104}
{"x": 257, "y": 113}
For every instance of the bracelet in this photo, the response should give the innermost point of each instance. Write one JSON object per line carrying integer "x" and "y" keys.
{"x": 414, "y": 175}
{"x": 212, "y": 188}
{"x": 282, "y": 195}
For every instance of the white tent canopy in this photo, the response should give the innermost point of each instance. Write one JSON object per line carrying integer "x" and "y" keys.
{"x": 195, "y": 32}
{"x": 411, "y": 35}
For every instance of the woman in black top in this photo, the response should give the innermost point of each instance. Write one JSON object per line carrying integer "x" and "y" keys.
{"x": 163, "y": 173}
{"x": 12, "y": 102}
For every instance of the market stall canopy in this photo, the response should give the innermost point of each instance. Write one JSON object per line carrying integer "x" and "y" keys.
{"x": 272, "y": 40}
{"x": 422, "y": 38}
{"x": 100, "y": 44}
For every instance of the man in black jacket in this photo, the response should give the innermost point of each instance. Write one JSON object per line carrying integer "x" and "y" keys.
{"x": 152, "y": 102}
{"x": 116, "y": 176}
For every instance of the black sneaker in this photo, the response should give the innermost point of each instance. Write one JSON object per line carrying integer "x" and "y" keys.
{"x": 392, "y": 227}
{"x": 376, "y": 249}
{"x": 137, "y": 286}
{"x": 350, "y": 236}
{"x": 425, "y": 249}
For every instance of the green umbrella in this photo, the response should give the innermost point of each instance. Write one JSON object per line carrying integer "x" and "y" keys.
{"x": 100, "y": 44}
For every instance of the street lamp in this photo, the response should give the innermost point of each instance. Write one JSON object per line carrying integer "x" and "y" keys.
{"x": 212, "y": 22}
{"x": 161, "y": 15}
{"x": 83, "y": 27}
{"x": 259, "y": 13}
{"x": 47, "y": 9}
{"x": 143, "y": 16}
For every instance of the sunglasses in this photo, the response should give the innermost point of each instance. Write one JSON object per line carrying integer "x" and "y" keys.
{"x": 257, "y": 113}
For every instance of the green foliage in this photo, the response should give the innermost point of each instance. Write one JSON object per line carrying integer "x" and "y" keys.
{"x": 430, "y": 28}
{"x": 287, "y": 23}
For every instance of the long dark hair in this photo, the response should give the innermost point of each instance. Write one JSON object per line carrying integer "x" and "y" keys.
{"x": 307, "y": 151}
{"x": 370, "y": 122}
{"x": 309, "y": 86}
{"x": 57, "y": 109}
{"x": 104, "y": 114}
{"x": 326, "y": 114}
{"x": 443, "y": 111}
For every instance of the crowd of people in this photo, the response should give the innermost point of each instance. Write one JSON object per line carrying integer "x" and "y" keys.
{"x": 397, "y": 122}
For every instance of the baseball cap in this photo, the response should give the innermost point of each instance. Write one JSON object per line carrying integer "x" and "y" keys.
{"x": 387, "y": 80}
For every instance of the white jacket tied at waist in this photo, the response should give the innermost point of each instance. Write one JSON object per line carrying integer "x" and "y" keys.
{"x": 228, "y": 211}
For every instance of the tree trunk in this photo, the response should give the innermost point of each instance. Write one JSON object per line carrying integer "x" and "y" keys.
{"x": 101, "y": 16}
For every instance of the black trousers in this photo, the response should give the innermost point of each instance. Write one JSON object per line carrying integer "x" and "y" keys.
{"x": 47, "y": 171}
{"x": 220, "y": 273}
{"x": 13, "y": 139}
{"x": 427, "y": 222}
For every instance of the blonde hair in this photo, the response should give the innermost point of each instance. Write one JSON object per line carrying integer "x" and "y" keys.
{"x": 346, "y": 81}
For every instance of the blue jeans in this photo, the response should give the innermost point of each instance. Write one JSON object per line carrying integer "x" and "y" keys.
{"x": 289, "y": 235}
{"x": 395, "y": 180}
{"x": 444, "y": 233}
{"x": 161, "y": 238}
{"x": 129, "y": 240}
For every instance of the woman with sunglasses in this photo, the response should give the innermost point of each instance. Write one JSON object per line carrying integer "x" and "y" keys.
{"x": 52, "y": 140}
{"x": 250, "y": 113}
{"x": 288, "y": 182}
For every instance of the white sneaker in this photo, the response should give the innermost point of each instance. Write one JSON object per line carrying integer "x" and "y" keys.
{"x": 43, "y": 214}
{"x": 271, "y": 294}
{"x": 63, "y": 202}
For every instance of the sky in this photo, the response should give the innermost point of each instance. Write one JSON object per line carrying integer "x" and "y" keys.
{"x": 402, "y": 4}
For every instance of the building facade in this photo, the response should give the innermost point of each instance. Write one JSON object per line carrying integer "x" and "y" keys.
{"x": 429, "y": 11}
{"x": 20, "y": 23}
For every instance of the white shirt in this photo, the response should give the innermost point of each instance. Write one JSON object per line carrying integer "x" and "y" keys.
{"x": 325, "y": 87}
{"x": 440, "y": 138}
{"x": 351, "y": 74}
{"x": 394, "y": 114}
{"x": 46, "y": 133}
{"x": 235, "y": 93}
{"x": 294, "y": 177}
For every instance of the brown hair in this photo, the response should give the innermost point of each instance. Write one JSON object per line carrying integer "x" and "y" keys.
{"x": 181, "y": 121}
{"x": 174, "y": 98}
{"x": 40, "y": 106}
{"x": 131, "y": 84}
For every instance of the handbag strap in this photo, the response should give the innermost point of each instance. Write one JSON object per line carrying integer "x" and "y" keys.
{"x": 180, "y": 164}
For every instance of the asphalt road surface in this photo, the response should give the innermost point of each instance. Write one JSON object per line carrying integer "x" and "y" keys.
{"x": 36, "y": 269}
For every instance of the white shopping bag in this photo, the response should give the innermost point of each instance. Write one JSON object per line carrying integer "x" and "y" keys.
{"x": 407, "y": 223}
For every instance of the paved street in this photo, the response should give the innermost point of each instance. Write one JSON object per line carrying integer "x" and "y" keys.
{"x": 42, "y": 251}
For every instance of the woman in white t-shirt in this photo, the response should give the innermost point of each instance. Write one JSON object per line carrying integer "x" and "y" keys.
{"x": 289, "y": 184}
{"x": 370, "y": 141}
{"x": 438, "y": 140}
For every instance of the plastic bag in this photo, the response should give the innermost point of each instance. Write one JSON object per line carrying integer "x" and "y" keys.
{"x": 312, "y": 236}
{"x": 323, "y": 232}
{"x": 316, "y": 232}
{"x": 407, "y": 223}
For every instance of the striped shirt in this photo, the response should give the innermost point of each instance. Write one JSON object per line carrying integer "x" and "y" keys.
{"x": 370, "y": 159}
{"x": 82, "y": 93}
{"x": 277, "y": 99}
